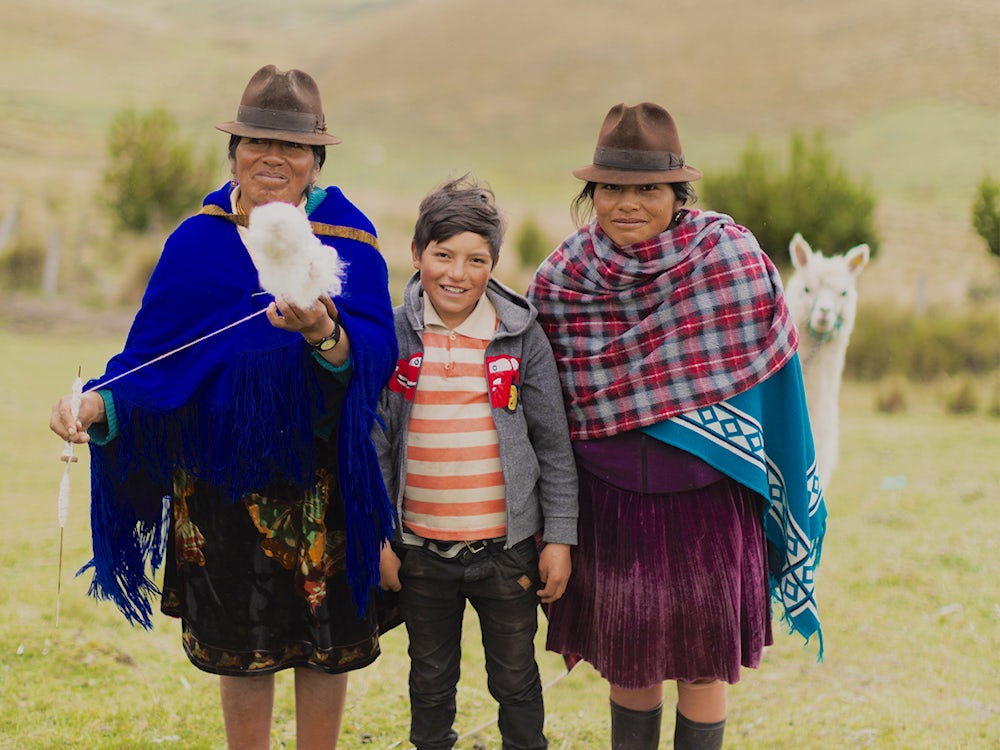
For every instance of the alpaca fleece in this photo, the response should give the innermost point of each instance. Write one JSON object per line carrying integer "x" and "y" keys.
{"x": 291, "y": 261}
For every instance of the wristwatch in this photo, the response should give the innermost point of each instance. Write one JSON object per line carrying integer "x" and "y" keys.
{"x": 327, "y": 343}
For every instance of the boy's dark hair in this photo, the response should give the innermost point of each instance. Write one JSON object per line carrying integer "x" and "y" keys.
{"x": 460, "y": 205}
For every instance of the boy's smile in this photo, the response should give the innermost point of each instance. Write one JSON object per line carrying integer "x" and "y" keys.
{"x": 454, "y": 274}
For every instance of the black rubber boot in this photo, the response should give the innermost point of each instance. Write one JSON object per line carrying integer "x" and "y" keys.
{"x": 693, "y": 735}
{"x": 635, "y": 730}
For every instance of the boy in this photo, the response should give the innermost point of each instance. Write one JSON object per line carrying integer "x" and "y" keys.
{"x": 476, "y": 456}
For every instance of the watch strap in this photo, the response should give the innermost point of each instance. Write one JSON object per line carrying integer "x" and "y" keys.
{"x": 328, "y": 342}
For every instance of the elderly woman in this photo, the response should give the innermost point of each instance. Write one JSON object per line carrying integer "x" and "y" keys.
{"x": 697, "y": 487}
{"x": 248, "y": 435}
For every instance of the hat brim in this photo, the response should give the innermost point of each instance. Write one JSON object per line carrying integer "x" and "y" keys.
{"x": 291, "y": 136}
{"x": 595, "y": 173}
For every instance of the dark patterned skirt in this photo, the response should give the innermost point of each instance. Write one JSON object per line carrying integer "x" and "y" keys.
{"x": 669, "y": 586}
{"x": 262, "y": 585}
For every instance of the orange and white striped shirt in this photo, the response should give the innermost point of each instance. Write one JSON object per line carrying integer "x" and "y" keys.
{"x": 454, "y": 481}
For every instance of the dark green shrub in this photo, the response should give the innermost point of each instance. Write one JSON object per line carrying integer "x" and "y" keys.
{"x": 152, "y": 178}
{"x": 813, "y": 195}
{"x": 986, "y": 213}
{"x": 531, "y": 244}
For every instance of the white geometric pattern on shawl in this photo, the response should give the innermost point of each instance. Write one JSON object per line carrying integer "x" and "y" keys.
{"x": 741, "y": 435}
{"x": 687, "y": 318}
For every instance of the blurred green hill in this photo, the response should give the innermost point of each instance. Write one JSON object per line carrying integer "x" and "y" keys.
{"x": 908, "y": 92}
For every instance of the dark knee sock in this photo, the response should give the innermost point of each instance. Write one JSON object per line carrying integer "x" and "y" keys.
{"x": 694, "y": 735}
{"x": 635, "y": 730}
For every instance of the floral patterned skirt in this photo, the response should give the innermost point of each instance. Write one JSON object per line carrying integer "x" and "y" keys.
{"x": 262, "y": 585}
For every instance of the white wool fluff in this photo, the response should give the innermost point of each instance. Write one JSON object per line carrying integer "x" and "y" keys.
{"x": 291, "y": 261}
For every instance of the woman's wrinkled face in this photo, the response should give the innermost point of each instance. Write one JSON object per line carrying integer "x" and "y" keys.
{"x": 632, "y": 213}
{"x": 271, "y": 171}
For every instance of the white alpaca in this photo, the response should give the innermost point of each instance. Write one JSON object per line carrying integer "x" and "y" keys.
{"x": 291, "y": 261}
{"x": 822, "y": 297}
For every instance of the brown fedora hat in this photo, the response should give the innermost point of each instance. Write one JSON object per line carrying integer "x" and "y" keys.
{"x": 281, "y": 106}
{"x": 636, "y": 146}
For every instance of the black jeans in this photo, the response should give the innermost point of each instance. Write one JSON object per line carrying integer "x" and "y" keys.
{"x": 501, "y": 585}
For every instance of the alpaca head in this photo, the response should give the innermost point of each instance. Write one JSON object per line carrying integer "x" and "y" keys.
{"x": 822, "y": 292}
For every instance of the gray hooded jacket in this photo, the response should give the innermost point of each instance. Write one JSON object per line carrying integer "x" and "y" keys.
{"x": 535, "y": 453}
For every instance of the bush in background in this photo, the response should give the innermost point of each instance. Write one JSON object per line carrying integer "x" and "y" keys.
{"x": 21, "y": 264}
{"x": 153, "y": 178}
{"x": 813, "y": 195}
{"x": 963, "y": 399}
{"x": 889, "y": 340}
{"x": 890, "y": 398}
{"x": 532, "y": 245}
{"x": 986, "y": 213}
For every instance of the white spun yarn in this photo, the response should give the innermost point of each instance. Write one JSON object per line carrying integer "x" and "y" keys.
{"x": 291, "y": 261}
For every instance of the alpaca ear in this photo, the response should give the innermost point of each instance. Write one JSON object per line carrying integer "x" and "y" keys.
{"x": 800, "y": 251}
{"x": 857, "y": 259}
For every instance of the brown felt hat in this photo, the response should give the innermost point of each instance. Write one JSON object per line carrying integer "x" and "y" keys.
{"x": 637, "y": 146}
{"x": 281, "y": 106}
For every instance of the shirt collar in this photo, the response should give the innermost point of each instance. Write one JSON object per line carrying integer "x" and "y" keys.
{"x": 481, "y": 323}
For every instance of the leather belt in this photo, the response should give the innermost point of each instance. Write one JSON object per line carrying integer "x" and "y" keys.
{"x": 451, "y": 550}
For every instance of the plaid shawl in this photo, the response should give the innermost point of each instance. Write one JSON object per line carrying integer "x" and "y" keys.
{"x": 641, "y": 334}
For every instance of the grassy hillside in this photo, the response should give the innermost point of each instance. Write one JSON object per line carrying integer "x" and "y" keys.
{"x": 908, "y": 91}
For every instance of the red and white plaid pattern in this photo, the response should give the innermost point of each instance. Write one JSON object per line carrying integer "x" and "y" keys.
{"x": 641, "y": 334}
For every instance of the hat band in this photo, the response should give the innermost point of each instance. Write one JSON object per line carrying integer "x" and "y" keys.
{"x": 277, "y": 119}
{"x": 639, "y": 161}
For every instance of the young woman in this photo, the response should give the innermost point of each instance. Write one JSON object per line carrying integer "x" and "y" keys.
{"x": 692, "y": 443}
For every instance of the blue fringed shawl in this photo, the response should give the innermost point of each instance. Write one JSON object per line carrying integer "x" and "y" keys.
{"x": 762, "y": 439}
{"x": 241, "y": 410}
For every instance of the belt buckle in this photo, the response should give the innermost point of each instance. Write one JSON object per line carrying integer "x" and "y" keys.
{"x": 477, "y": 546}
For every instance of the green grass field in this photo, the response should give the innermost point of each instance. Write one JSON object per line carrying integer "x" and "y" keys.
{"x": 909, "y": 590}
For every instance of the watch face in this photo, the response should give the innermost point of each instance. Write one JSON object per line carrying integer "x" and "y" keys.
{"x": 330, "y": 341}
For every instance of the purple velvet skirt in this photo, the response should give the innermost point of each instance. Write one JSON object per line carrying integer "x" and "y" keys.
{"x": 665, "y": 586}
